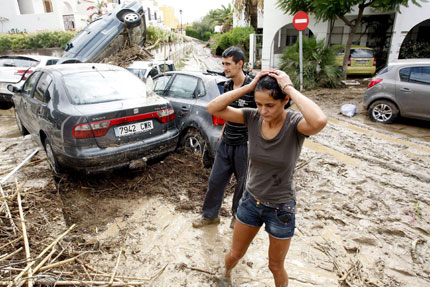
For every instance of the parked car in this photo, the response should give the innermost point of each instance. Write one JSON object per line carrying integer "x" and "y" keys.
{"x": 94, "y": 117}
{"x": 189, "y": 93}
{"x": 145, "y": 69}
{"x": 15, "y": 68}
{"x": 400, "y": 89}
{"x": 361, "y": 60}
{"x": 106, "y": 35}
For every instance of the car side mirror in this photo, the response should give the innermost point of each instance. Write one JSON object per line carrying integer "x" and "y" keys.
{"x": 13, "y": 89}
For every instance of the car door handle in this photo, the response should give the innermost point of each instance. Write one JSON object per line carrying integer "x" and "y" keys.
{"x": 405, "y": 90}
{"x": 185, "y": 108}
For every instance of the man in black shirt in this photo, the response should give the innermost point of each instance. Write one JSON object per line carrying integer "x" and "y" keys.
{"x": 232, "y": 149}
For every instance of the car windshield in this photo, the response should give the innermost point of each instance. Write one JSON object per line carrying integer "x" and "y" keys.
{"x": 103, "y": 86}
{"x": 138, "y": 72}
{"x": 361, "y": 53}
{"x": 17, "y": 62}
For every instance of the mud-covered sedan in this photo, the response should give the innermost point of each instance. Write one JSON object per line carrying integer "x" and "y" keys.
{"x": 94, "y": 117}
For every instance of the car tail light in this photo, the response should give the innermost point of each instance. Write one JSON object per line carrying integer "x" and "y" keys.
{"x": 349, "y": 62}
{"x": 217, "y": 121}
{"x": 166, "y": 115}
{"x": 99, "y": 129}
{"x": 92, "y": 130}
{"x": 374, "y": 62}
{"x": 26, "y": 73}
{"x": 374, "y": 82}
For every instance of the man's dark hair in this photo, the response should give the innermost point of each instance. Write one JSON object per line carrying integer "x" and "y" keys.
{"x": 234, "y": 52}
{"x": 268, "y": 83}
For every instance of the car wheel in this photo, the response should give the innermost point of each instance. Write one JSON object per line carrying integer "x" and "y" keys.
{"x": 195, "y": 142}
{"x": 131, "y": 19}
{"x": 52, "y": 159}
{"x": 383, "y": 111}
{"x": 21, "y": 128}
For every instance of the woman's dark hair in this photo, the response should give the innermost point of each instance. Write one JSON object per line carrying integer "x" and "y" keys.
{"x": 268, "y": 83}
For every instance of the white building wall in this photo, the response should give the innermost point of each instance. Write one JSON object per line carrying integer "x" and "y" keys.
{"x": 31, "y": 23}
{"x": 26, "y": 7}
{"x": 239, "y": 21}
{"x": 276, "y": 19}
{"x": 404, "y": 22}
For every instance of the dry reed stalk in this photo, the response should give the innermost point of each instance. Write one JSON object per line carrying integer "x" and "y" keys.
{"x": 53, "y": 243}
{"x": 24, "y": 234}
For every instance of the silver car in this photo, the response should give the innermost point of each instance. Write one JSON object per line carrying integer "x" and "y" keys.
{"x": 189, "y": 93}
{"x": 94, "y": 117}
{"x": 402, "y": 88}
{"x": 16, "y": 68}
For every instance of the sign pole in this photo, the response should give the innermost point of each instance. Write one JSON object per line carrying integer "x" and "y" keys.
{"x": 301, "y": 22}
{"x": 301, "y": 59}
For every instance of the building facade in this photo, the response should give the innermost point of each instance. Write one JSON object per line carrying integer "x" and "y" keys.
{"x": 34, "y": 16}
{"x": 394, "y": 28}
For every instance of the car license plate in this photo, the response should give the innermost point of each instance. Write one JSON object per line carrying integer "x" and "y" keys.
{"x": 133, "y": 128}
{"x": 362, "y": 61}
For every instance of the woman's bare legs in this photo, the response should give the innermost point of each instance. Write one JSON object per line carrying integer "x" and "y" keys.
{"x": 242, "y": 237}
{"x": 278, "y": 250}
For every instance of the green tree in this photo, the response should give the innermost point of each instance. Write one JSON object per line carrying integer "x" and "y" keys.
{"x": 329, "y": 10}
{"x": 319, "y": 67}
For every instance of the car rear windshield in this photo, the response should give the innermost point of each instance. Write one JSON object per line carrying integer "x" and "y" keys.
{"x": 8, "y": 61}
{"x": 361, "y": 53}
{"x": 103, "y": 86}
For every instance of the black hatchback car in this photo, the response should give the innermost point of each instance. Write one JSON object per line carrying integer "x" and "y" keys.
{"x": 94, "y": 117}
{"x": 107, "y": 35}
{"x": 189, "y": 93}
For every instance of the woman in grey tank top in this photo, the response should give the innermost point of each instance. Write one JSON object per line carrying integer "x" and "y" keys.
{"x": 276, "y": 136}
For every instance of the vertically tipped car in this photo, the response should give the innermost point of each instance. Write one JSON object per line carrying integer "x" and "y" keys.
{"x": 107, "y": 35}
{"x": 94, "y": 117}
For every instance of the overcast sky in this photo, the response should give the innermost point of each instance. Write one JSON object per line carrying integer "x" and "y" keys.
{"x": 193, "y": 10}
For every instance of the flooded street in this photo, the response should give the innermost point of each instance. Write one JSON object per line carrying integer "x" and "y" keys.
{"x": 363, "y": 192}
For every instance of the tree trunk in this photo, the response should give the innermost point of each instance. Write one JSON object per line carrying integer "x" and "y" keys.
{"x": 351, "y": 36}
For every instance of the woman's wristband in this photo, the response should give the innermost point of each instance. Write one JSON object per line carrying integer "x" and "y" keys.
{"x": 287, "y": 85}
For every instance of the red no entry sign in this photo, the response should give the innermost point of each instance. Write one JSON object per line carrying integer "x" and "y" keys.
{"x": 301, "y": 20}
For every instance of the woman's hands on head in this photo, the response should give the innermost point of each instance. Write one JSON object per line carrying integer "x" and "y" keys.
{"x": 282, "y": 78}
{"x": 254, "y": 82}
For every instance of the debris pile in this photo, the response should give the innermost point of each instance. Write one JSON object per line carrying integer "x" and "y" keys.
{"x": 128, "y": 55}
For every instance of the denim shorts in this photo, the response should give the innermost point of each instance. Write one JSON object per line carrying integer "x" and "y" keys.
{"x": 279, "y": 222}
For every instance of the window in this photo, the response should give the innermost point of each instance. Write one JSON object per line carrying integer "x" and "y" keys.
{"x": 51, "y": 62}
{"x": 183, "y": 87}
{"x": 29, "y": 84}
{"x": 17, "y": 61}
{"x": 153, "y": 72}
{"x": 200, "y": 90}
{"x": 160, "y": 84}
{"x": 103, "y": 86}
{"x": 149, "y": 14}
{"x": 404, "y": 74}
{"x": 48, "y": 6}
{"x": 361, "y": 53}
{"x": 138, "y": 72}
{"x": 42, "y": 86}
{"x": 420, "y": 75}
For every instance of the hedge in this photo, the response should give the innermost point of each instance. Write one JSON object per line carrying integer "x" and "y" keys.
{"x": 56, "y": 39}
